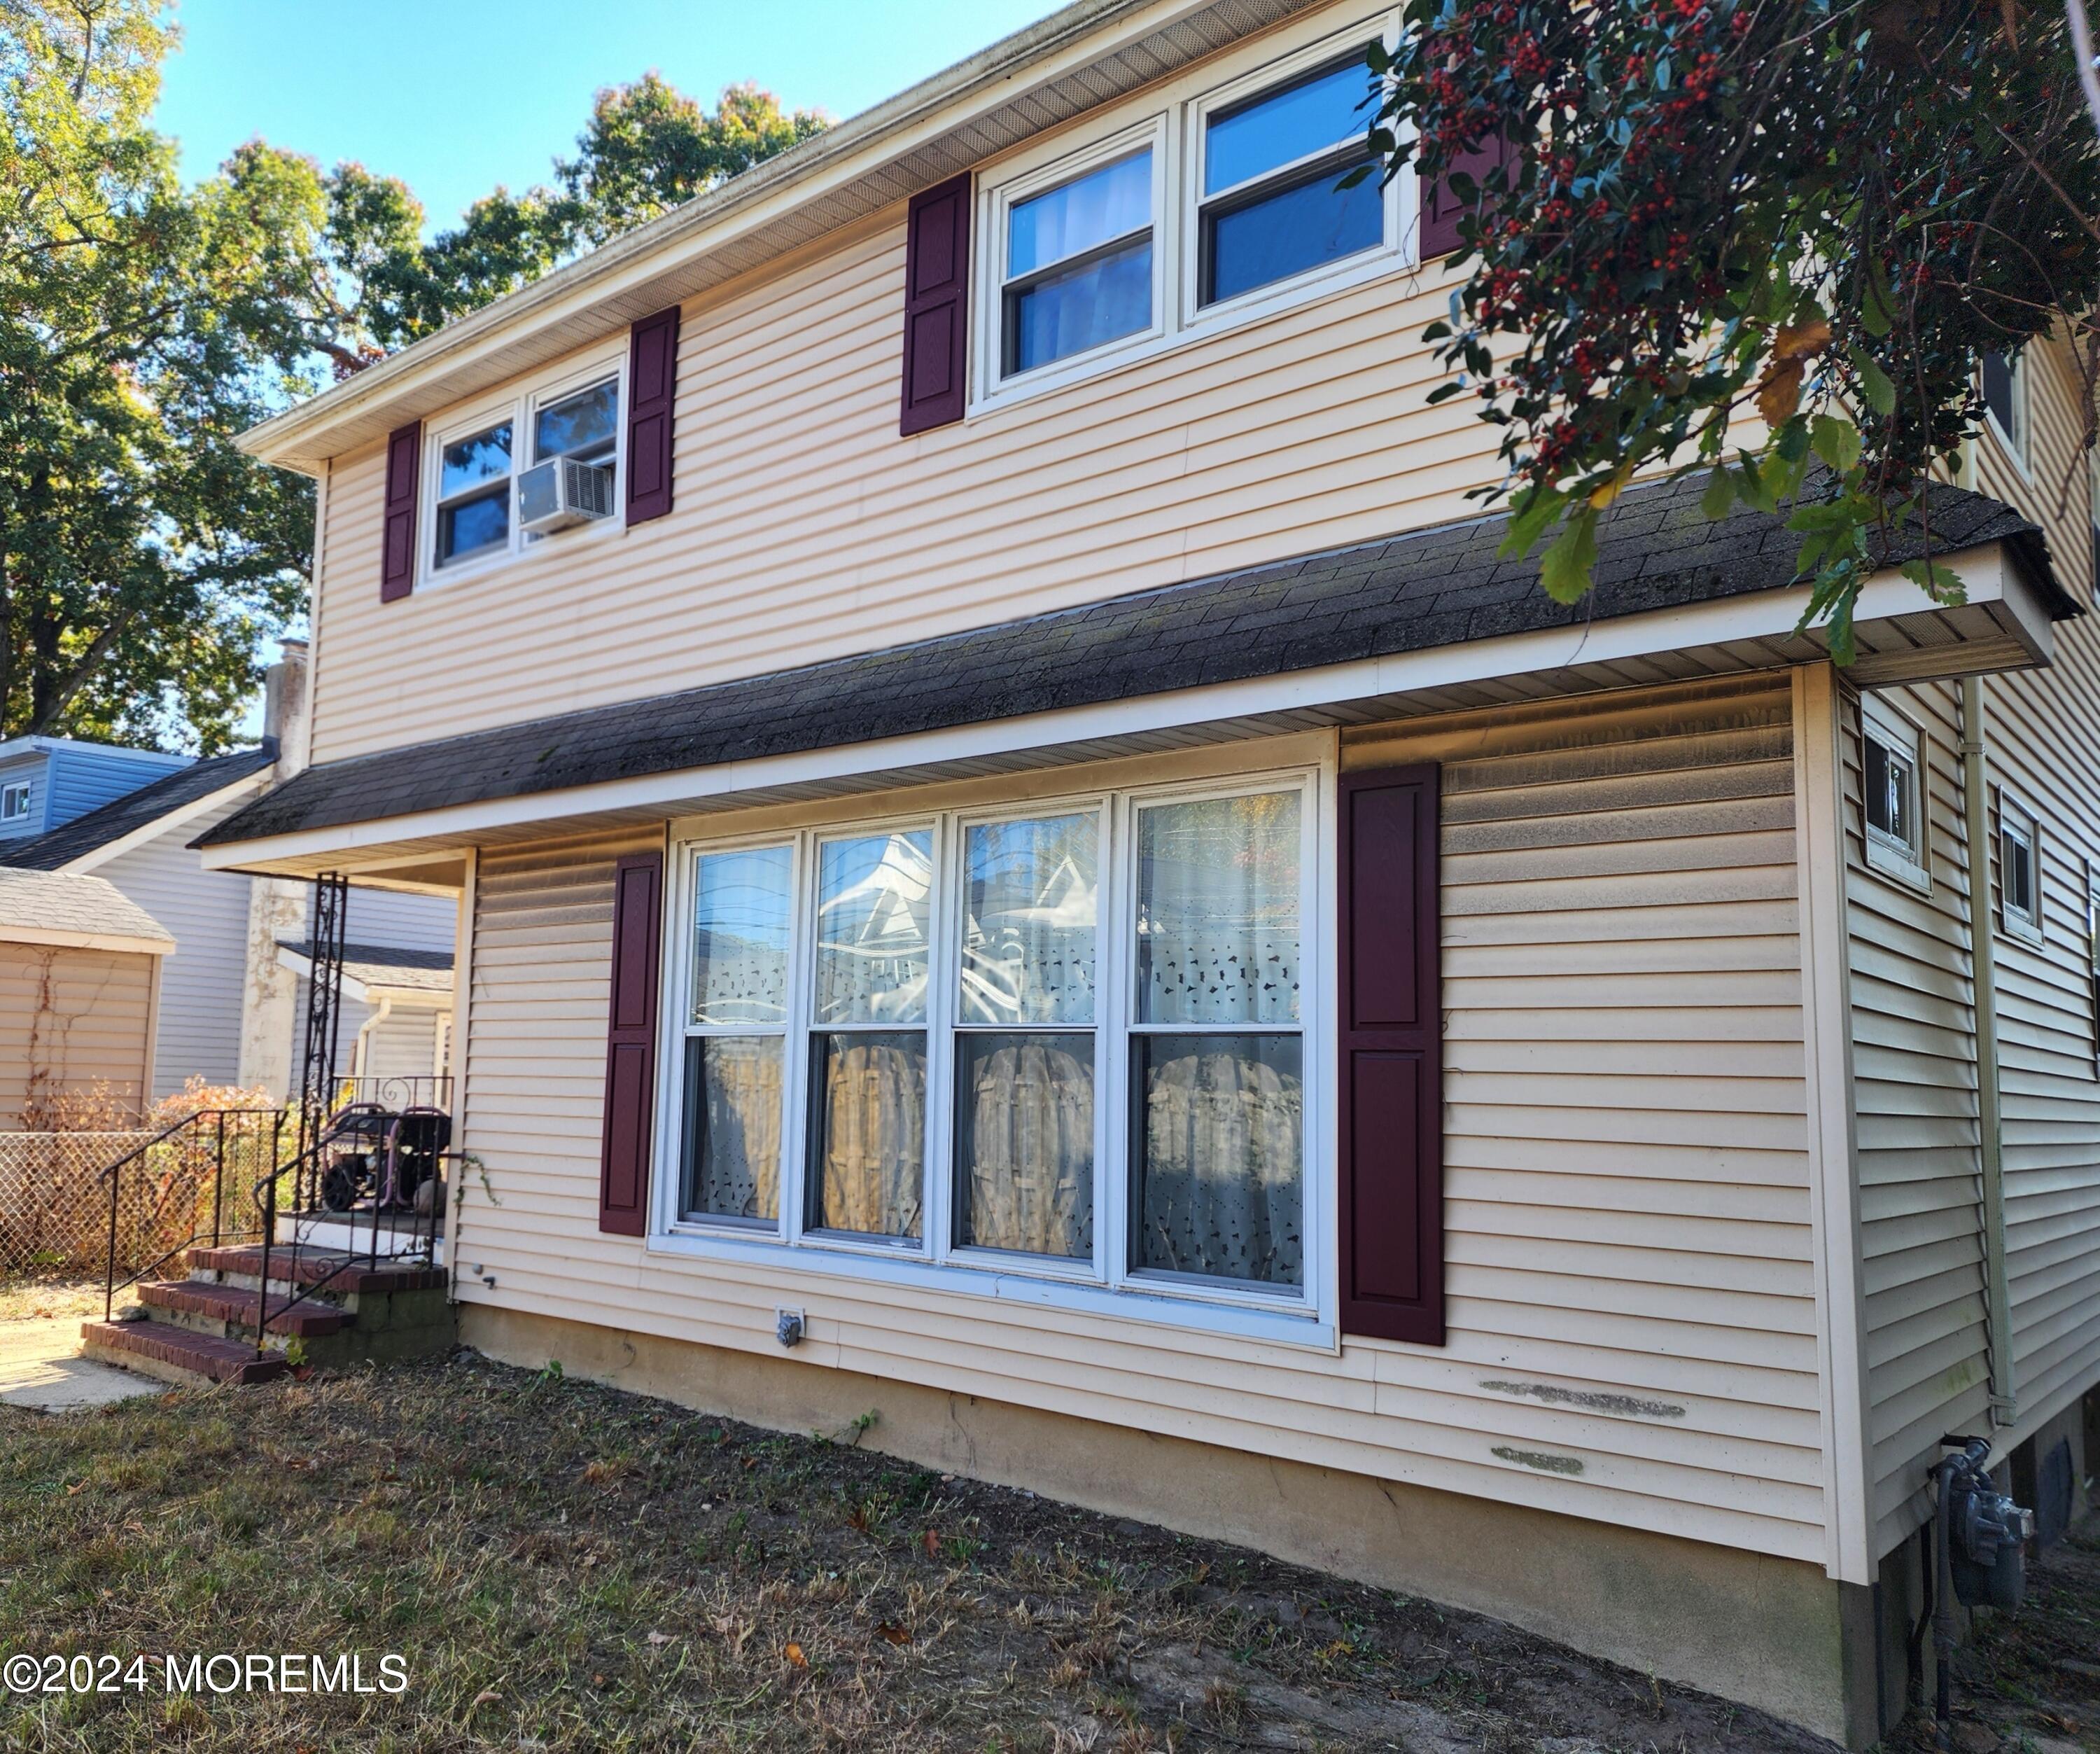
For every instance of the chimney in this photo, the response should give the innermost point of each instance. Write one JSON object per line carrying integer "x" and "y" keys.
{"x": 284, "y": 698}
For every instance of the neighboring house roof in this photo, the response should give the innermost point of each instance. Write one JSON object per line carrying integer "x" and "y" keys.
{"x": 369, "y": 968}
{"x": 123, "y": 817}
{"x": 1081, "y": 56}
{"x": 63, "y": 908}
{"x": 1429, "y": 588}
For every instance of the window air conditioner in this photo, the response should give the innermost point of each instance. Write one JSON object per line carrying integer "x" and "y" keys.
{"x": 560, "y": 491}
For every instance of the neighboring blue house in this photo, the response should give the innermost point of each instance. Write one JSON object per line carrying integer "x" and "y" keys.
{"x": 45, "y": 782}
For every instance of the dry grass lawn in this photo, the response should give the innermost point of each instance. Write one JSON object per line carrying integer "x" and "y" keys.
{"x": 562, "y": 1567}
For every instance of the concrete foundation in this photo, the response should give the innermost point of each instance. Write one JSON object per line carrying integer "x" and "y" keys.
{"x": 1773, "y": 1633}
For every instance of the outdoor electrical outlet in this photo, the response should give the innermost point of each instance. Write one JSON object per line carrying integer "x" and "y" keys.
{"x": 787, "y": 1324}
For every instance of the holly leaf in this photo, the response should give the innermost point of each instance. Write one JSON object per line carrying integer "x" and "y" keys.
{"x": 1564, "y": 569}
{"x": 1874, "y": 384}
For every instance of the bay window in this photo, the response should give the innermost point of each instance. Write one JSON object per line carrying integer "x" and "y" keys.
{"x": 1061, "y": 1042}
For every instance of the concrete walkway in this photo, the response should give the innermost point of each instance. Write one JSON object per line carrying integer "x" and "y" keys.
{"x": 41, "y": 1368}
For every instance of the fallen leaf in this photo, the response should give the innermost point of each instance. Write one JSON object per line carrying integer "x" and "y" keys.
{"x": 893, "y": 1633}
{"x": 794, "y": 1654}
{"x": 660, "y": 1638}
{"x": 487, "y": 1696}
{"x": 932, "y": 1540}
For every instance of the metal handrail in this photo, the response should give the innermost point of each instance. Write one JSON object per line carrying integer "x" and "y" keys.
{"x": 113, "y": 1174}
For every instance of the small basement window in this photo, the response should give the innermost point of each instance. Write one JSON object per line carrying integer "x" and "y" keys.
{"x": 1892, "y": 769}
{"x": 2019, "y": 870}
{"x": 14, "y": 801}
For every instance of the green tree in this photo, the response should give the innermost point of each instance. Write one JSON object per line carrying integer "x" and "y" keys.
{"x": 1817, "y": 212}
{"x": 142, "y": 326}
{"x": 144, "y": 560}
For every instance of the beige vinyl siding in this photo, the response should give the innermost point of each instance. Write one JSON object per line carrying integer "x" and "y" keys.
{"x": 803, "y": 528}
{"x": 1914, "y": 1058}
{"x": 71, "y": 1020}
{"x": 1913, "y": 1030}
{"x": 1631, "y": 1305}
{"x": 203, "y": 978}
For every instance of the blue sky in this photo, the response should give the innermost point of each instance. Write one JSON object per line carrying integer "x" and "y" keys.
{"x": 458, "y": 96}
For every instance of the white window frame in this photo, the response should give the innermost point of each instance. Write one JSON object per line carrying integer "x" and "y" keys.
{"x": 17, "y": 798}
{"x": 1201, "y": 318}
{"x": 1173, "y": 120}
{"x": 1880, "y": 723}
{"x": 2016, "y": 818}
{"x": 2016, "y": 443}
{"x": 1103, "y": 1285}
{"x": 518, "y": 406}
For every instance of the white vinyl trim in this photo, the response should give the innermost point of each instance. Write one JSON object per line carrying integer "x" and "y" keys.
{"x": 1906, "y": 861}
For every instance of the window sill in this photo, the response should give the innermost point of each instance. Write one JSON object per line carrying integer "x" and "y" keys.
{"x": 1239, "y": 1315}
{"x": 1898, "y": 865}
{"x": 1250, "y": 310}
{"x": 2025, "y": 930}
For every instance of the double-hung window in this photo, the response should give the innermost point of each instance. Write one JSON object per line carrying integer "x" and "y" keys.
{"x": 1273, "y": 205}
{"x": 1077, "y": 269}
{"x": 1891, "y": 780}
{"x": 15, "y": 801}
{"x": 474, "y": 464}
{"x": 2019, "y": 870}
{"x": 1064, "y": 1043}
{"x": 1226, "y": 194}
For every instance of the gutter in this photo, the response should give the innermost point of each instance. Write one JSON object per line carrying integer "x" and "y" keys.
{"x": 1990, "y": 1114}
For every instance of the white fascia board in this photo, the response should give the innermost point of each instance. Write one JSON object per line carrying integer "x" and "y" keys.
{"x": 1753, "y": 616}
{"x": 67, "y": 940}
{"x": 256, "y": 783}
{"x": 766, "y": 194}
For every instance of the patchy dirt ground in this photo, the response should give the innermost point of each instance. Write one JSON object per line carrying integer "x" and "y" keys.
{"x": 562, "y": 1567}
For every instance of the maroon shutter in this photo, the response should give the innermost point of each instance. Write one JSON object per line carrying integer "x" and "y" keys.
{"x": 630, "y": 1052}
{"x": 1390, "y": 1110}
{"x": 652, "y": 384}
{"x": 397, "y": 550}
{"x": 937, "y": 281}
{"x": 1441, "y": 209}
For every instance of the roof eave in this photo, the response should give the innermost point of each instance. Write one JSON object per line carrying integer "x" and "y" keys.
{"x": 299, "y": 438}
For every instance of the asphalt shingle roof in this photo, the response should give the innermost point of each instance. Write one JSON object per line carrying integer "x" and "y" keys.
{"x": 64, "y": 903}
{"x": 55, "y": 851}
{"x": 1426, "y": 588}
{"x": 386, "y": 965}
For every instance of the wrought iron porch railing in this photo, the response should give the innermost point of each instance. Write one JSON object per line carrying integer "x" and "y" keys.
{"x": 243, "y": 1177}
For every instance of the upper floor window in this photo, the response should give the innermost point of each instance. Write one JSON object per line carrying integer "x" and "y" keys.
{"x": 1064, "y": 1040}
{"x": 1078, "y": 263}
{"x": 14, "y": 801}
{"x": 2003, "y": 380}
{"x": 1892, "y": 769}
{"x": 1272, "y": 206}
{"x": 487, "y": 498}
{"x": 2019, "y": 870}
{"x": 1221, "y": 201}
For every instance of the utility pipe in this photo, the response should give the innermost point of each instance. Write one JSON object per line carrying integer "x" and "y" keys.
{"x": 357, "y": 1054}
{"x": 1983, "y": 962}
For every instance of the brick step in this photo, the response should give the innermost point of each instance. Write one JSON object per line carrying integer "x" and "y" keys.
{"x": 178, "y": 1355}
{"x": 229, "y": 1303}
{"x": 295, "y": 1266}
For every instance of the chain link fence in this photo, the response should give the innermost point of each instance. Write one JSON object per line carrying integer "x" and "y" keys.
{"x": 197, "y": 1180}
